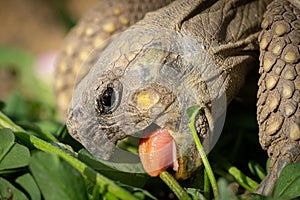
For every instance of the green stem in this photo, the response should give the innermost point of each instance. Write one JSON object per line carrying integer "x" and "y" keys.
{"x": 256, "y": 169}
{"x": 242, "y": 179}
{"x": 36, "y": 129}
{"x": 5, "y": 122}
{"x": 95, "y": 193}
{"x": 245, "y": 181}
{"x": 174, "y": 185}
{"x": 206, "y": 189}
{"x": 202, "y": 153}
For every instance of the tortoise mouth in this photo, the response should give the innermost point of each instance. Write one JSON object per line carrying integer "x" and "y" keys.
{"x": 157, "y": 151}
{"x": 155, "y": 147}
{"x": 130, "y": 142}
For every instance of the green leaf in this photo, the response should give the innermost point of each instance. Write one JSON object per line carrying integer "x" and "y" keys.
{"x": 16, "y": 107}
{"x": 27, "y": 182}
{"x": 106, "y": 185}
{"x": 108, "y": 169}
{"x": 7, "y": 139}
{"x": 245, "y": 181}
{"x": 224, "y": 192}
{"x": 8, "y": 191}
{"x": 64, "y": 136}
{"x": 16, "y": 156}
{"x": 28, "y": 83}
{"x": 5, "y": 122}
{"x": 253, "y": 196}
{"x": 191, "y": 111}
{"x": 256, "y": 169}
{"x": 171, "y": 182}
{"x": 95, "y": 193}
{"x": 50, "y": 126}
{"x": 195, "y": 194}
{"x": 56, "y": 178}
{"x": 288, "y": 185}
{"x": 138, "y": 192}
{"x": 36, "y": 130}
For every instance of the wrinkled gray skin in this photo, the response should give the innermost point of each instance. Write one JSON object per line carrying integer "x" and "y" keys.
{"x": 187, "y": 53}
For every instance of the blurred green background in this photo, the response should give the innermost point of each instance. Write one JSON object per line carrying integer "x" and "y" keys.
{"x": 31, "y": 36}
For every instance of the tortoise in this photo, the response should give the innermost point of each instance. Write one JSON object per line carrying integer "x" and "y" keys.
{"x": 134, "y": 67}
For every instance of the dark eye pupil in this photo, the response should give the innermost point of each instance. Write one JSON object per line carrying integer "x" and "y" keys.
{"x": 108, "y": 99}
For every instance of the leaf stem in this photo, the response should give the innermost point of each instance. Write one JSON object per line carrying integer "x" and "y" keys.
{"x": 206, "y": 189}
{"x": 202, "y": 153}
{"x": 256, "y": 169}
{"x": 245, "y": 181}
{"x": 36, "y": 129}
{"x": 174, "y": 185}
{"x": 242, "y": 179}
{"x": 5, "y": 122}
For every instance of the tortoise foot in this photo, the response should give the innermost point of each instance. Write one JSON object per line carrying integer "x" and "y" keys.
{"x": 288, "y": 154}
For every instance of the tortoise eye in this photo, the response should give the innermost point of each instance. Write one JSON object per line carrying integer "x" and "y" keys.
{"x": 107, "y": 100}
{"x": 108, "y": 97}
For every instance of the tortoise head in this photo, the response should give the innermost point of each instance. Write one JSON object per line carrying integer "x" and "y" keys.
{"x": 141, "y": 86}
